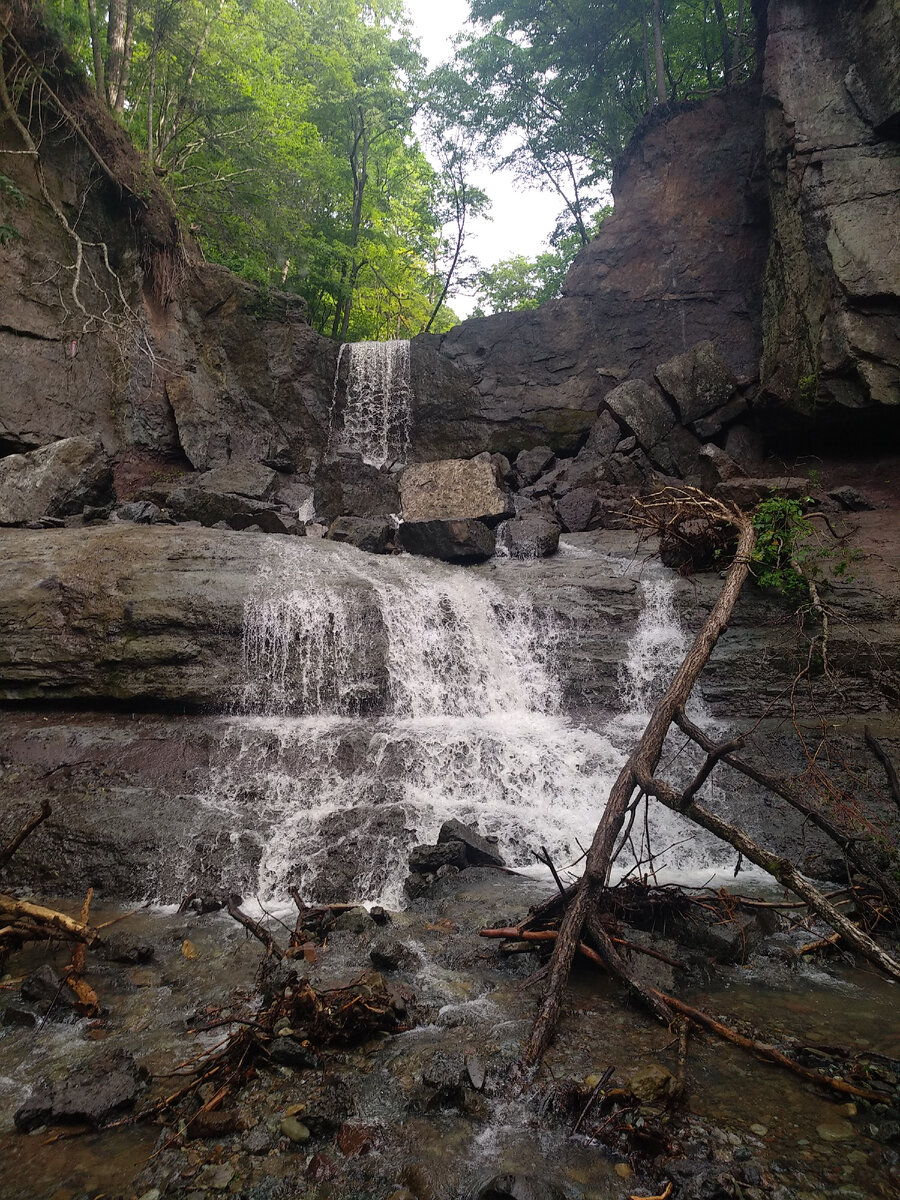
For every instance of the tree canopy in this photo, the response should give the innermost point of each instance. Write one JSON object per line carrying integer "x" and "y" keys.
{"x": 284, "y": 131}
{"x": 288, "y": 131}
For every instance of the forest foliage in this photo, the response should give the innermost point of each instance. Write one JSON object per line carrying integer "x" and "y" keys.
{"x": 308, "y": 148}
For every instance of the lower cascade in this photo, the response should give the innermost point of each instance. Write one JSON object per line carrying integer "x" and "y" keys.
{"x": 384, "y": 696}
{"x": 376, "y": 413}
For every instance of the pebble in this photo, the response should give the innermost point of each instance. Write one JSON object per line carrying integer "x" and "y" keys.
{"x": 759, "y": 1130}
{"x": 834, "y": 1131}
{"x": 623, "y": 1170}
{"x": 295, "y": 1130}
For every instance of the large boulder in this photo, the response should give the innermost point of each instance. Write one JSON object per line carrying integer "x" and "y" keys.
{"x": 348, "y": 487}
{"x": 747, "y": 493}
{"x": 640, "y": 406}
{"x": 54, "y": 481}
{"x": 209, "y": 508}
{"x": 605, "y": 434}
{"x": 529, "y": 535}
{"x": 452, "y": 489}
{"x": 241, "y": 477}
{"x": 365, "y": 533}
{"x": 531, "y": 464}
{"x": 464, "y": 541}
{"x": 698, "y": 381}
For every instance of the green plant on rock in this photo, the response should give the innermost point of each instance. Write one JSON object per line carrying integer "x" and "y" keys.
{"x": 782, "y": 529}
{"x": 788, "y": 558}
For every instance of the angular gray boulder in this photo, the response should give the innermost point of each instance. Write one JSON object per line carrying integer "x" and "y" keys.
{"x": 698, "y": 381}
{"x": 348, "y": 487}
{"x": 529, "y": 535}
{"x": 641, "y": 407}
{"x": 53, "y": 481}
{"x": 464, "y": 541}
{"x": 453, "y": 489}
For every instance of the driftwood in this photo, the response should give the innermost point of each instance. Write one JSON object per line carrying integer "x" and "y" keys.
{"x": 28, "y": 828}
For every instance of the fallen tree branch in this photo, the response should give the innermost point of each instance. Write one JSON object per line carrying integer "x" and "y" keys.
{"x": 28, "y": 828}
{"x": 780, "y": 868}
{"x": 764, "y": 1050}
{"x": 889, "y": 769}
{"x": 846, "y": 842}
{"x": 255, "y": 928}
{"x": 645, "y": 756}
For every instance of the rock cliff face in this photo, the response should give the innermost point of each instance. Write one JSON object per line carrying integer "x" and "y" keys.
{"x": 762, "y": 220}
{"x": 831, "y": 92}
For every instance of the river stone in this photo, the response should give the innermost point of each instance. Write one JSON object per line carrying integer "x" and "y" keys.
{"x": 193, "y": 503}
{"x": 677, "y": 454}
{"x": 425, "y": 859}
{"x": 239, "y": 476}
{"x": 531, "y": 464}
{"x": 354, "y": 920}
{"x": 141, "y": 512}
{"x": 851, "y": 500}
{"x": 295, "y": 1130}
{"x": 577, "y": 508}
{"x": 388, "y": 954}
{"x": 530, "y": 535}
{"x": 835, "y": 1131}
{"x": 715, "y": 466}
{"x": 267, "y": 521}
{"x": 452, "y": 489}
{"x": 365, "y": 533}
{"x": 87, "y": 1096}
{"x": 479, "y": 851}
{"x": 652, "y": 1083}
{"x": 53, "y": 481}
{"x": 462, "y": 541}
{"x": 698, "y": 381}
{"x": 518, "y": 1187}
{"x": 643, "y": 410}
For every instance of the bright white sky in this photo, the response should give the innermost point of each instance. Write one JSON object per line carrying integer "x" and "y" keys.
{"x": 522, "y": 218}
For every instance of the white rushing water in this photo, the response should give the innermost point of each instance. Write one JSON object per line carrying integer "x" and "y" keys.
{"x": 376, "y": 411}
{"x": 386, "y": 695}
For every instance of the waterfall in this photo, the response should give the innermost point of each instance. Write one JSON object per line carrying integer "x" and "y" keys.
{"x": 376, "y": 411}
{"x": 386, "y": 695}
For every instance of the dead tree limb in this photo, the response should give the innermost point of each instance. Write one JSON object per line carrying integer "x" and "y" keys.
{"x": 28, "y": 828}
{"x": 764, "y": 1050}
{"x": 780, "y": 868}
{"x": 255, "y": 928}
{"x": 645, "y": 757}
{"x": 889, "y": 769}
{"x": 846, "y": 842}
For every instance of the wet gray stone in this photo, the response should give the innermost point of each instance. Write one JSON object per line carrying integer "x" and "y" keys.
{"x": 88, "y": 1096}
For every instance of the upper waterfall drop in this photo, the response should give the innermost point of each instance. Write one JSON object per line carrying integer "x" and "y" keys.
{"x": 376, "y": 414}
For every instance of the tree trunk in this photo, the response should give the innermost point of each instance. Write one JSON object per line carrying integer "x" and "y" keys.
{"x": 727, "y": 48}
{"x": 648, "y": 75}
{"x": 151, "y": 87}
{"x": 97, "y": 50}
{"x": 661, "y": 96}
{"x": 115, "y": 60}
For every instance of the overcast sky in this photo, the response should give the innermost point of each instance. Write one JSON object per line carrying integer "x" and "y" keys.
{"x": 522, "y": 218}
